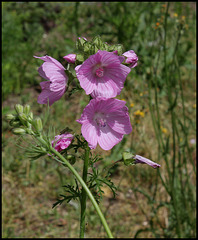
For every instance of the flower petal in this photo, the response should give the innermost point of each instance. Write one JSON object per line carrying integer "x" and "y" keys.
{"x": 51, "y": 60}
{"x": 119, "y": 121}
{"x": 47, "y": 95}
{"x": 89, "y": 132}
{"x": 108, "y": 138}
{"x": 52, "y": 72}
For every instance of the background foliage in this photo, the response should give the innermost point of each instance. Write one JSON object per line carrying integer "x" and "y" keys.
{"x": 148, "y": 203}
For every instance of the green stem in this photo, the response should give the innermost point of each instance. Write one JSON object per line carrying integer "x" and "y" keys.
{"x": 78, "y": 177}
{"x": 84, "y": 194}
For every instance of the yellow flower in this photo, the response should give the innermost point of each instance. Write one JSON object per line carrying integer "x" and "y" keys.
{"x": 175, "y": 15}
{"x": 164, "y": 130}
{"x": 139, "y": 113}
{"x": 123, "y": 99}
{"x": 194, "y": 105}
{"x": 183, "y": 18}
{"x": 141, "y": 94}
{"x": 132, "y": 105}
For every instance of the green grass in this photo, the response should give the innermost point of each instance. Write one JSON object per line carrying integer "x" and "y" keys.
{"x": 149, "y": 203}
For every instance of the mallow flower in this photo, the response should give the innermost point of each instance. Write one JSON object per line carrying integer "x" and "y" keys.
{"x": 131, "y": 58}
{"x": 53, "y": 89}
{"x": 104, "y": 122}
{"x": 102, "y": 74}
{"x": 62, "y": 141}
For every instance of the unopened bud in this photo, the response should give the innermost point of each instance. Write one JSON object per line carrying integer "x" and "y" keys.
{"x": 70, "y": 58}
{"x": 10, "y": 117}
{"x": 71, "y": 158}
{"x": 80, "y": 42}
{"x": 19, "y": 108}
{"x": 31, "y": 116}
{"x": 15, "y": 123}
{"x": 23, "y": 117}
{"x": 26, "y": 109}
{"x": 38, "y": 124}
{"x": 19, "y": 131}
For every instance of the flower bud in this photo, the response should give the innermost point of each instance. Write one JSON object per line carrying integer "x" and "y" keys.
{"x": 23, "y": 117}
{"x": 19, "y": 131}
{"x": 97, "y": 41}
{"x": 15, "y": 123}
{"x": 70, "y": 58}
{"x": 30, "y": 116}
{"x": 80, "y": 42}
{"x": 19, "y": 108}
{"x": 71, "y": 158}
{"x": 131, "y": 58}
{"x": 10, "y": 117}
{"x": 26, "y": 109}
{"x": 38, "y": 124}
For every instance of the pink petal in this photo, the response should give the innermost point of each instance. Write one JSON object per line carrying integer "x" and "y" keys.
{"x": 47, "y": 95}
{"x": 105, "y": 88}
{"x": 143, "y": 160}
{"x": 109, "y": 58}
{"x": 108, "y": 138}
{"x": 119, "y": 121}
{"x": 51, "y": 60}
{"x": 86, "y": 79}
{"x": 51, "y": 72}
{"x": 89, "y": 132}
{"x": 108, "y": 105}
{"x": 118, "y": 74}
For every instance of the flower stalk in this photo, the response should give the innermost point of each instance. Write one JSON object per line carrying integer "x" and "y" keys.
{"x": 78, "y": 177}
{"x": 84, "y": 194}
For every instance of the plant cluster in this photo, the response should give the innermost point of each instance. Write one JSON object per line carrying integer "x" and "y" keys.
{"x": 101, "y": 70}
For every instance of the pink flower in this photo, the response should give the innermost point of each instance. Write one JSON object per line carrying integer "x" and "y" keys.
{"x": 131, "y": 58}
{"x": 62, "y": 141}
{"x": 104, "y": 122}
{"x": 71, "y": 58}
{"x": 102, "y": 74}
{"x": 143, "y": 160}
{"x": 53, "y": 89}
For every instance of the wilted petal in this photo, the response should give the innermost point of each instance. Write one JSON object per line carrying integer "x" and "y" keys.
{"x": 143, "y": 160}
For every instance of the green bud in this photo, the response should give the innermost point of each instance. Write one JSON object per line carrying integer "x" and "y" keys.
{"x": 26, "y": 109}
{"x": 97, "y": 41}
{"x": 10, "y": 117}
{"x": 71, "y": 158}
{"x": 38, "y": 124}
{"x": 87, "y": 47}
{"x": 19, "y": 131}
{"x": 23, "y": 117}
{"x": 19, "y": 108}
{"x": 79, "y": 43}
{"x": 30, "y": 116}
{"x": 14, "y": 123}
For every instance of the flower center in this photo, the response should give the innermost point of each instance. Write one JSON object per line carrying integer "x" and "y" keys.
{"x": 99, "y": 72}
{"x": 100, "y": 120}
